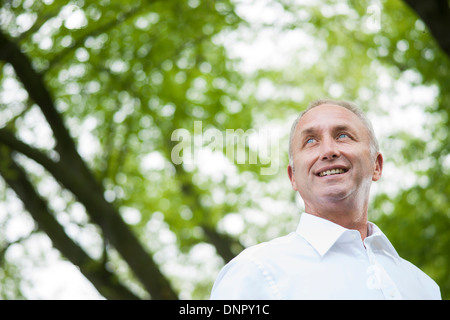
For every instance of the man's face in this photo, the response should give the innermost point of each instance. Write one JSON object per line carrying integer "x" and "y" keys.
{"x": 332, "y": 161}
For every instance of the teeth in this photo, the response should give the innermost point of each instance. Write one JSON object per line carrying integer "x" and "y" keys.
{"x": 331, "y": 172}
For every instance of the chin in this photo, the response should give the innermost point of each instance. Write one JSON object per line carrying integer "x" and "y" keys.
{"x": 334, "y": 194}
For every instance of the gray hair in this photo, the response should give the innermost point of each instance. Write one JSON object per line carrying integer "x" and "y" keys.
{"x": 374, "y": 147}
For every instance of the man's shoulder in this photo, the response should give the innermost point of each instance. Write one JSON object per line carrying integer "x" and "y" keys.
{"x": 267, "y": 249}
{"x": 250, "y": 274}
{"x": 415, "y": 269}
{"x": 430, "y": 289}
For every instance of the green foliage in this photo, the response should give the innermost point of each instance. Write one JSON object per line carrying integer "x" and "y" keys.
{"x": 125, "y": 75}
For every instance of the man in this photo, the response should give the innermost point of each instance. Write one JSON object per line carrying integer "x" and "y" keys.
{"x": 335, "y": 252}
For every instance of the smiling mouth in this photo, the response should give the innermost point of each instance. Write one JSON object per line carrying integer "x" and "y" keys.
{"x": 332, "y": 172}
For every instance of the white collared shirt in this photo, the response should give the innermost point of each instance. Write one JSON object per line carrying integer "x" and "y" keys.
{"x": 323, "y": 260}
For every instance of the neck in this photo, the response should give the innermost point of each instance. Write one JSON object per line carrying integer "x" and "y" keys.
{"x": 347, "y": 217}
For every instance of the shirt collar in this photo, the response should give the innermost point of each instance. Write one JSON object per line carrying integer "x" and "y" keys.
{"x": 379, "y": 242}
{"x": 322, "y": 234}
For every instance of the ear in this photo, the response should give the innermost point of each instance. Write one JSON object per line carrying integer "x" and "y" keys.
{"x": 378, "y": 167}
{"x": 290, "y": 170}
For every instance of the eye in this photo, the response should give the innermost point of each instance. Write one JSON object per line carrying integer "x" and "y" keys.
{"x": 310, "y": 140}
{"x": 343, "y": 136}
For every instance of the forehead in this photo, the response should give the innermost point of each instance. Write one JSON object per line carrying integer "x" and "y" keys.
{"x": 328, "y": 116}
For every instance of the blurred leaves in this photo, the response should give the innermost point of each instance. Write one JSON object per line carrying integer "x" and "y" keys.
{"x": 124, "y": 75}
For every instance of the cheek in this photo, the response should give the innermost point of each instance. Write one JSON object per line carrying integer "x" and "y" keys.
{"x": 304, "y": 161}
{"x": 363, "y": 165}
{"x": 301, "y": 174}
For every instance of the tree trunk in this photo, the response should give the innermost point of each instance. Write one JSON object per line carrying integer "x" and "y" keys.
{"x": 436, "y": 15}
{"x": 106, "y": 282}
{"x": 74, "y": 174}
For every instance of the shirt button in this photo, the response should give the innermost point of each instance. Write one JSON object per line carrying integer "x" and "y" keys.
{"x": 354, "y": 236}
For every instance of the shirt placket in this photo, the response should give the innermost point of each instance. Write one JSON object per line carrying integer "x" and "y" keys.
{"x": 380, "y": 279}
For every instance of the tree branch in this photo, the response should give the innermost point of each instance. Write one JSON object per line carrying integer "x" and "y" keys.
{"x": 104, "y": 281}
{"x": 75, "y": 175}
{"x": 8, "y": 138}
{"x": 122, "y": 17}
{"x": 34, "y": 84}
{"x": 436, "y": 15}
{"x": 226, "y": 246}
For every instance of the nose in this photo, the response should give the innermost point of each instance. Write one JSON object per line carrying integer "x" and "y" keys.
{"x": 329, "y": 149}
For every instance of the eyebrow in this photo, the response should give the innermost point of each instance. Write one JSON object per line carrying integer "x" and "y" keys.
{"x": 308, "y": 131}
{"x": 314, "y": 130}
